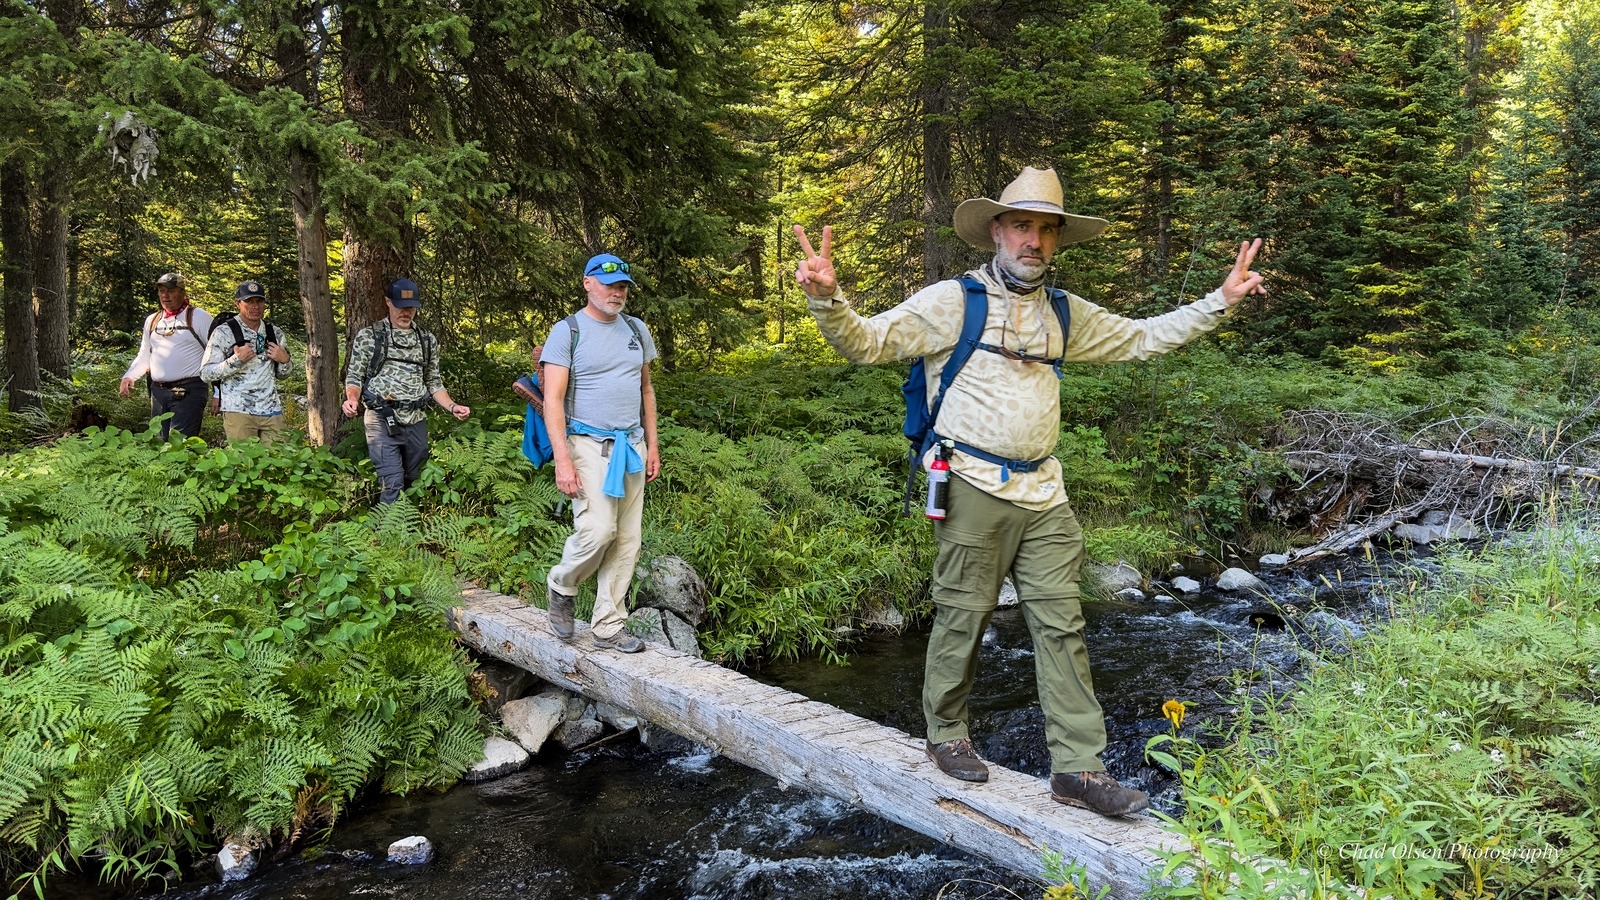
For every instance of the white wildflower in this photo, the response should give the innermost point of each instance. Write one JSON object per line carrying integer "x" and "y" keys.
{"x": 1455, "y": 746}
{"x": 1496, "y": 757}
{"x": 1357, "y": 688}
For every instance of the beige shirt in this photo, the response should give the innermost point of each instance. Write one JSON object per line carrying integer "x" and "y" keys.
{"x": 1010, "y": 408}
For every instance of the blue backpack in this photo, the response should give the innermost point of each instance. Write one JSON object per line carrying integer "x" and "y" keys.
{"x": 922, "y": 414}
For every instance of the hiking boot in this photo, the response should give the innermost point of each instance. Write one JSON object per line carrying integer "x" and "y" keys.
{"x": 622, "y": 642}
{"x": 559, "y": 606}
{"x": 958, "y": 760}
{"x": 1097, "y": 791}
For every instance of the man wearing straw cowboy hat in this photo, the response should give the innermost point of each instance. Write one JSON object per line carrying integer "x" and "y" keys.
{"x": 1000, "y": 420}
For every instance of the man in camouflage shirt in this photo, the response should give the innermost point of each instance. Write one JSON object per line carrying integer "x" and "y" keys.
{"x": 394, "y": 370}
{"x": 244, "y": 359}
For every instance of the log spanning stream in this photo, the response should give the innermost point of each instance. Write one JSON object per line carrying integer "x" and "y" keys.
{"x": 618, "y": 820}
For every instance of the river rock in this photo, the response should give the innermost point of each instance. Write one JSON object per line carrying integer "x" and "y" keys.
{"x": 1131, "y": 595}
{"x": 1449, "y": 526}
{"x": 681, "y": 636}
{"x": 411, "y": 851}
{"x": 500, "y": 757}
{"x": 646, "y": 624}
{"x": 670, "y": 583}
{"x": 663, "y": 740}
{"x": 507, "y": 682}
{"x": 616, "y": 718}
{"x": 886, "y": 618}
{"x": 1416, "y": 534}
{"x": 1118, "y": 577}
{"x": 1329, "y": 631}
{"x": 1236, "y": 579}
{"x": 577, "y": 733}
{"x": 1183, "y": 584}
{"x": 532, "y": 719}
{"x": 235, "y": 862}
{"x": 1008, "y": 594}
{"x": 1274, "y": 560}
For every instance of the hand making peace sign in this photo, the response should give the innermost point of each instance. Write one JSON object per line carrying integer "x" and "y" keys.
{"x": 815, "y": 272}
{"x": 1242, "y": 282}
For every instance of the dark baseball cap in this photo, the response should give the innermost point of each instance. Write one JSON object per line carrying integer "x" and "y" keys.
{"x": 170, "y": 280}
{"x": 404, "y": 294}
{"x": 249, "y": 290}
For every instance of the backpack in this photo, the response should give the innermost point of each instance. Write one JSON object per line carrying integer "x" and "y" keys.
{"x": 535, "y": 436}
{"x": 188, "y": 325}
{"x": 231, "y": 319}
{"x": 922, "y": 414}
{"x": 380, "y": 357}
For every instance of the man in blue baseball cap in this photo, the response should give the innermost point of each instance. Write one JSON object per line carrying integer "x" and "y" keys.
{"x": 394, "y": 370}
{"x": 603, "y": 444}
{"x": 245, "y": 357}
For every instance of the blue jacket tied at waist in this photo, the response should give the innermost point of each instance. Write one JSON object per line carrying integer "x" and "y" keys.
{"x": 625, "y": 460}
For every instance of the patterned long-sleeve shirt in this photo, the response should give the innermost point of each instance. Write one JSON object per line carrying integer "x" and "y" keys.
{"x": 1011, "y": 408}
{"x": 247, "y": 386}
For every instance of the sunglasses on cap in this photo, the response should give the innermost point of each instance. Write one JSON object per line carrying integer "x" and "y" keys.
{"x": 610, "y": 267}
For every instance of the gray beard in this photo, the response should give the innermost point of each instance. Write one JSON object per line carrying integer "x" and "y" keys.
{"x": 1029, "y": 272}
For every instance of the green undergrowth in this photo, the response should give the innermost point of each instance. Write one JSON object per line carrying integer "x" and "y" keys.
{"x": 192, "y": 647}
{"x": 1454, "y": 753}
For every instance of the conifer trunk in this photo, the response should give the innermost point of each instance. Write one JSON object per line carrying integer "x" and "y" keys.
{"x": 323, "y": 388}
{"x": 937, "y": 206}
{"x": 379, "y": 107}
{"x": 21, "y": 356}
{"x": 52, "y": 318}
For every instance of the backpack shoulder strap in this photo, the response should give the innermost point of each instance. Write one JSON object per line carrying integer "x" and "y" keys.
{"x": 975, "y": 313}
{"x": 380, "y": 354}
{"x": 237, "y": 329}
{"x": 1063, "y": 308}
{"x": 572, "y": 363}
{"x": 188, "y": 322}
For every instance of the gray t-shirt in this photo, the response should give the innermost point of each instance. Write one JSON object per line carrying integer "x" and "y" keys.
{"x": 608, "y": 373}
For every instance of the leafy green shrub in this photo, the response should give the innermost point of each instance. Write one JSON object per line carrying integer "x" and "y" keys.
{"x": 1453, "y": 753}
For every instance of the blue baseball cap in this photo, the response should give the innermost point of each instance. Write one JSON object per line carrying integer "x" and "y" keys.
{"x": 250, "y": 290}
{"x": 404, "y": 294}
{"x": 607, "y": 269}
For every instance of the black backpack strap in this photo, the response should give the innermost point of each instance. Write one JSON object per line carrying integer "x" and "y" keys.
{"x": 237, "y": 329}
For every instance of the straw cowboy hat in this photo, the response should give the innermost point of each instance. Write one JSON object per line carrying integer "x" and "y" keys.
{"x": 1035, "y": 190}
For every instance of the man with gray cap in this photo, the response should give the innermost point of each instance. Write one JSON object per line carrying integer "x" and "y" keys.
{"x": 603, "y": 444}
{"x": 997, "y": 424}
{"x": 394, "y": 370}
{"x": 172, "y": 344}
{"x": 244, "y": 360}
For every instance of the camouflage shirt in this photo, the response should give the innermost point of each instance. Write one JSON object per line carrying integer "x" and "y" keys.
{"x": 405, "y": 372}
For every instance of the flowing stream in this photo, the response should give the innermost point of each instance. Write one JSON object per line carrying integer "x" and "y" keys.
{"x": 620, "y": 820}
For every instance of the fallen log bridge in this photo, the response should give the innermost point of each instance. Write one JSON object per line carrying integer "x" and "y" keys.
{"x": 1010, "y": 820}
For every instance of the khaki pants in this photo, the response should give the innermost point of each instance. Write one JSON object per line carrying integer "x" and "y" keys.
{"x": 239, "y": 426}
{"x": 979, "y": 542}
{"x": 605, "y": 539}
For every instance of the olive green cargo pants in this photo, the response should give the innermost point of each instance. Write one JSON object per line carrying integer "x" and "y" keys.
{"x": 981, "y": 540}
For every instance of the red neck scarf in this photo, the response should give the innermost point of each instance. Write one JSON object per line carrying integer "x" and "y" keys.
{"x": 174, "y": 313}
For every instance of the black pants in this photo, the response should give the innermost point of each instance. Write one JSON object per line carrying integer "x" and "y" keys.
{"x": 185, "y": 399}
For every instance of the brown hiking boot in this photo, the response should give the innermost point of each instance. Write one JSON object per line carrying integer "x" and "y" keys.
{"x": 559, "y": 606}
{"x": 1097, "y": 791}
{"x": 621, "y": 642}
{"x": 958, "y": 760}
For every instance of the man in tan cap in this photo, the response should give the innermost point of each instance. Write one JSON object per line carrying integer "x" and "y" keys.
{"x": 997, "y": 424}
{"x": 172, "y": 343}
